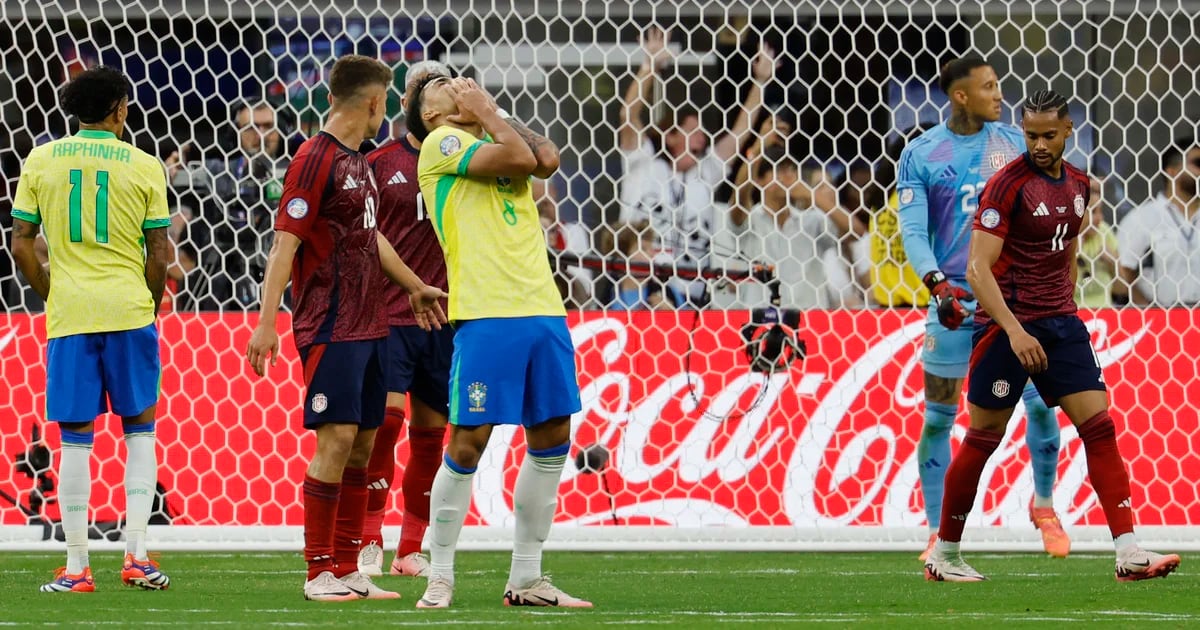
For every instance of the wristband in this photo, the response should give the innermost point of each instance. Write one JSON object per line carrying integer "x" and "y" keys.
{"x": 504, "y": 115}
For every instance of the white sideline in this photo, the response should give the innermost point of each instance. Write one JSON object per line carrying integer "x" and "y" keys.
{"x": 611, "y": 539}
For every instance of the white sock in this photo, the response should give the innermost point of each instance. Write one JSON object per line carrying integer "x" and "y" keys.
{"x": 945, "y": 548}
{"x": 535, "y": 497}
{"x": 1042, "y": 502}
{"x": 1125, "y": 543}
{"x": 74, "y": 492}
{"x": 449, "y": 500}
{"x": 141, "y": 474}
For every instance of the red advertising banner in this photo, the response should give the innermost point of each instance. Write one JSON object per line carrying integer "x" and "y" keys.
{"x": 696, "y": 438}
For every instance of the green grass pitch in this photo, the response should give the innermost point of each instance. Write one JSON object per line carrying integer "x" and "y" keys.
{"x": 694, "y": 590}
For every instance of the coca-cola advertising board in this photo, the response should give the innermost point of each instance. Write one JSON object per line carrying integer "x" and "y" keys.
{"x": 696, "y": 438}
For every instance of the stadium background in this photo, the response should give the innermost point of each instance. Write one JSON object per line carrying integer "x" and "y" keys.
{"x": 705, "y": 453}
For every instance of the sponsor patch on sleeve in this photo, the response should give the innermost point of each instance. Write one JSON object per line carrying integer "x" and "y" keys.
{"x": 906, "y": 195}
{"x": 990, "y": 218}
{"x": 297, "y": 208}
{"x": 450, "y": 145}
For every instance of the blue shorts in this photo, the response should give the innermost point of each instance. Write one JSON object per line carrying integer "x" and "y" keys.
{"x": 518, "y": 370}
{"x": 1073, "y": 365}
{"x": 86, "y": 373}
{"x": 946, "y": 351}
{"x": 344, "y": 383}
{"x": 418, "y": 363}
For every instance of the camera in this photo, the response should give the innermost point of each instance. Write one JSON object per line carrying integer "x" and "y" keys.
{"x": 771, "y": 340}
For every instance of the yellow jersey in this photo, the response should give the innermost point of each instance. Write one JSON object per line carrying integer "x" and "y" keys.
{"x": 496, "y": 258}
{"x": 893, "y": 280}
{"x": 93, "y": 195}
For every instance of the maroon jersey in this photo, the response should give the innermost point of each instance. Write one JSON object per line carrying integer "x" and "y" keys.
{"x": 329, "y": 200}
{"x": 1038, "y": 218}
{"x": 403, "y": 221}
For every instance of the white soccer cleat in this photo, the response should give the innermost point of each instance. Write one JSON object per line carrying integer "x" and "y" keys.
{"x": 541, "y": 593}
{"x": 941, "y": 568}
{"x": 364, "y": 588}
{"x": 1139, "y": 564}
{"x": 370, "y": 560}
{"x": 414, "y": 564}
{"x": 326, "y": 588}
{"x": 438, "y": 594}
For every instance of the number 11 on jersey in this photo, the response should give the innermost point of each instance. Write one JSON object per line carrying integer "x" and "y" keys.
{"x": 76, "y": 206}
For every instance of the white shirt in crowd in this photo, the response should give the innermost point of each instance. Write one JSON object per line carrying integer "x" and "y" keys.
{"x": 797, "y": 248}
{"x": 1164, "y": 246}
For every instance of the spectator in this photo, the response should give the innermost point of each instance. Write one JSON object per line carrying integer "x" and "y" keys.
{"x": 246, "y": 183}
{"x": 670, "y": 171}
{"x": 633, "y": 293}
{"x": 575, "y": 283}
{"x": 787, "y": 231}
{"x": 1159, "y": 240}
{"x": 1097, "y": 255}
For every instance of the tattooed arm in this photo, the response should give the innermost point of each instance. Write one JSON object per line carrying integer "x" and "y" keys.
{"x": 158, "y": 252}
{"x": 24, "y": 249}
{"x": 543, "y": 149}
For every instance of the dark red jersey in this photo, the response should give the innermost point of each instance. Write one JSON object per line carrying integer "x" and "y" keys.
{"x": 329, "y": 201}
{"x": 1039, "y": 218}
{"x": 405, "y": 224}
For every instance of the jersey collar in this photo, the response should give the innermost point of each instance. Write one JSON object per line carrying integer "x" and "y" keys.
{"x": 96, "y": 134}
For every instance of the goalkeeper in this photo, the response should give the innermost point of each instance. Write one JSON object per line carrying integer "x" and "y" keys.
{"x": 942, "y": 174}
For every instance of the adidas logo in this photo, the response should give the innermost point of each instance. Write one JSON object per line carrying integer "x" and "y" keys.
{"x": 350, "y": 184}
{"x": 398, "y": 178}
{"x": 949, "y": 172}
{"x": 1042, "y": 210}
{"x": 379, "y": 484}
{"x": 1126, "y": 504}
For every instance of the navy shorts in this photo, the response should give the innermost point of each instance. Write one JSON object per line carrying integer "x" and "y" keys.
{"x": 418, "y": 363}
{"x": 88, "y": 372}
{"x": 344, "y": 383}
{"x": 996, "y": 376}
{"x": 518, "y": 370}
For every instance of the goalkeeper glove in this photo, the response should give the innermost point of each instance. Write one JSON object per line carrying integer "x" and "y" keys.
{"x": 948, "y": 298}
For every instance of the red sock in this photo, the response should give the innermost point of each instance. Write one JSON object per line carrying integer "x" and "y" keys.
{"x": 1106, "y": 470}
{"x": 347, "y": 533}
{"x": 962, "y": 481}
{"x": 320, "y": 506}
{"x": 424, "y": 459}
{"x": 380, "y": 472}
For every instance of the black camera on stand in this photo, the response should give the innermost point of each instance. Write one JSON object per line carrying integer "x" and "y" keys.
{"x": 772, "y": 342}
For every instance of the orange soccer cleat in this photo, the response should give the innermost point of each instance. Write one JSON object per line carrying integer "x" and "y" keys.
{"x": 1054, "y": 539}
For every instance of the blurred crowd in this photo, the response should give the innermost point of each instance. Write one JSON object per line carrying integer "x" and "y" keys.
{"x": 697, "y": 207}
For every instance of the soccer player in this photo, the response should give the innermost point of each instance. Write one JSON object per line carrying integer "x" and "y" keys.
{"x": 103, "y": 206}
{"x": 513, "y": 358}
{"x": 1022, "y": 268}
{"x": 326, "y": 237}
{"x": 418, "y": 362}
{"x": 942, "y": 173}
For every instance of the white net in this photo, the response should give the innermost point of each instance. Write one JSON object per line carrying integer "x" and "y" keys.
{"x": 704, "y": 450}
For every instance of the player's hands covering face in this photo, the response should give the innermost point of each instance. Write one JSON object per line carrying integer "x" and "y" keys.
{"x": 472, "y": 100}
{"x": 427, "y": 307}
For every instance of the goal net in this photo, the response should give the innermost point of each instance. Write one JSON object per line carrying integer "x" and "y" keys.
{"x": 705, "y": 452}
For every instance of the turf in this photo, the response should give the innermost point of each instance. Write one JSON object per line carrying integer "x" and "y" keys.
{"x": 697, "y": 590}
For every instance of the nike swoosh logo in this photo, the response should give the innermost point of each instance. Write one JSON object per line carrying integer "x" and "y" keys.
{"x": 548, "y": 602}
{"x": 362, "y": 593}
{"x": 1144, "y": 563}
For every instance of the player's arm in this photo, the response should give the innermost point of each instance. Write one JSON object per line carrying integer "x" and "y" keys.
{"x": 424, "y": 298}
{"x": 1073, "y": 256}
{"x": 158, "y": 255}
{"x": 762, "y": 69}
{"x": 507, "y": 155}
{"x": 264, "y": 343}
{"x": 986, "y": 247}
{"x": 544, "y": 149}
{"x": 24, "y": 250}
{"x": 638, "y": 94}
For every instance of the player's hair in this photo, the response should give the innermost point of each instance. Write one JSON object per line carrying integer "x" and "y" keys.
{"x": 960, "y": 68}
{"x": 1172, "y": 156}
{"x": 95, "y": 94}
{"x": 351, "y": 73}
{"x": 1043, "y": 101}
{"x": 412, "y": 113}
{"x": 774, "y": 159}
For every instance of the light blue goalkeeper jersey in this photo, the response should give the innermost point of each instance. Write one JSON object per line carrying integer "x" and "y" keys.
{"x": 940, "y": 180}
